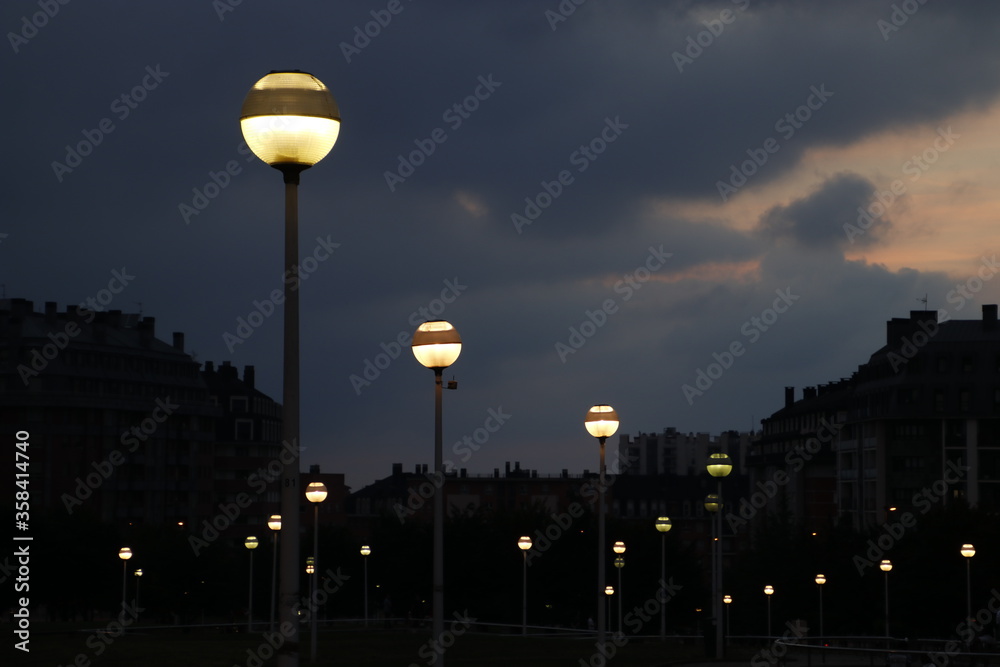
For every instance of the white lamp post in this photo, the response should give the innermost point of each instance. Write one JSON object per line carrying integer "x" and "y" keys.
{"x": 366, "y": 551}
{"x": 820, "y": 580}
{"x": 524, "y": 544}
{"x": 769, "y": 591}
{"x": 663, "y": 524}
{"x": 968, "y": 551}
{"x": 124, "y": 553}
{"x": 601, "y": 422}
{"x": 436, "y": 345}
{"x": 719, "y": 466}
{"x": 274, "y": 523}
{"x": 290, "y": 120}
{"x": 250, "y": 543}
{"x": 886, "y": 566}
{"x": 315, "y": 493}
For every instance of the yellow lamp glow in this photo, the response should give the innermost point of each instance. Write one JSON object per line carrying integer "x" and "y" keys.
{"x": 719, "y": 464}
{"x": 274, "y": 522}
{"x": 290, "y": 118}
{"x": 601, "y": 421}
{"x": 524, "y": 543}
{"x": 316, "y": 492}
{"x": 436, "y": 344}
{"x": 664, "y": 524}
{"x": 251, "y": 543}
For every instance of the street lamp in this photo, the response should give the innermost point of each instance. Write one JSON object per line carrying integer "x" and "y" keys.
{"x": 608, "y": 592}
{"x": 138, "y": 578}
{"x": 290, "y": 120}
{"x": 601, "y": 422}
{"x": 719, "y": 466}
{"x": 250, "y": 543}
{"x": 886, "y": 566}
{"x": 124, "y": 553}
{"x": 663, "y": 524}
{"x": 524, "y": 544}
{"x": 728, "y": 600}
{"x": 436, "y": 345}
{"x": 274, "y": 523}
{"x": 769, "y": 591}
{"x": 315, "y": 493}
{"x": 968, "y": 551}
{"x": 620, "y": 564}
{"x": 820, "y": 580}
{"x": 310, "y": 565}
{"x": 366, "y": 551}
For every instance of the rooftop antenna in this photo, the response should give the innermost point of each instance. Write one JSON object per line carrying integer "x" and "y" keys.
{"x": 924, "y": 301}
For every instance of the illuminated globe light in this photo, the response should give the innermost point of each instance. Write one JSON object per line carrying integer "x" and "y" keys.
{"x": 251, "y": 543}
{"x": 290, "y": 119}
{"x": 436, "y": 344}
{"x": 601, "y": 421}
{"x": 316, "y": 492}
{"x": 125, "y": 553}
{"x": 664, "y": 524}
{"x": 968, "y": 550}
{"x": 719, "y": 464}
{"x": 524, "y": 543}
{"x": 885, "y": 566}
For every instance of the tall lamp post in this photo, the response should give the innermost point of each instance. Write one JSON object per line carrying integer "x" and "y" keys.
{"x": 768, "y": 591}
{"x": 524, "y": 544}
{"x": 315, "y": 493}
{"x": 619, "y": 549}
{"x": 138, "y": 578}
{"x": 719, "y": 466}
{"x": 608, "y": 592}
{"x": 728, "y": 600}
{"x": 820, "y": 580}
{"x": 436, "y": 345}
{"x": 290, "y": 120}
{"x": 663, "y": 524}
{"x": 886, "y": 566}
{"x": 274, "y": 523}
{"x": 601, "y": 422}
{"x": 713, "y": 504}
{"x": 365, "y": 552}
{"x": 968, "y": 551}
{"x": 250, "y": 543}
{"x": 124, "y": 553}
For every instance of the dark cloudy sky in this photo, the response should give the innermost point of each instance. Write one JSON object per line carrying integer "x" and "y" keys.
{"x": 701, "y": 159}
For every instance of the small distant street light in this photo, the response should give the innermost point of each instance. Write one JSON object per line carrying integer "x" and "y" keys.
{"x": 968, "y": 551}
{"x": 601, "y": 422}
{"x": 663, "y": 525}
{"x": 274, "y": 523}
{"x": 250, "y": 543}
{"x": 524, "y": 544}
{"x": 886, "y": 566}
{"x": 769, "y": 591}
{"x": 366, "y": 551}
{"x": 820, "y": 580}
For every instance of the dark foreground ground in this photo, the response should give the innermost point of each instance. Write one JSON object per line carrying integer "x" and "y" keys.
{"x": 62, "y": 647}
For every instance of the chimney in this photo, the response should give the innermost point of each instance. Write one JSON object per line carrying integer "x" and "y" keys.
{"x": 51, "y": 308}
{"x": 147, "y": 330}
{"x": 506, "y": 472}
{"x": 789, "y": 396}
{"x": 989, "y": 316}
{"x": 397, "y": 469}
{"x": 209, "y": 366}
{"x": 179, "y": 340}
{"x": 809, "y": 393}
{"x": 249, "y": 376}
{"x": 314, "y": 469}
